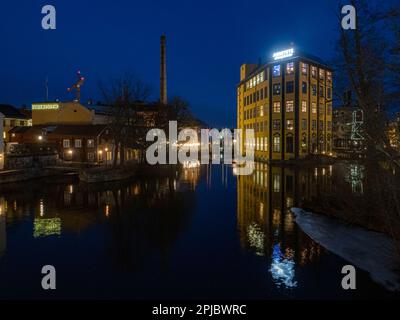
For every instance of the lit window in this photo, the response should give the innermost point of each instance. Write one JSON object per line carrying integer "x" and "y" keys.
{"x": 314, "y": 72}
{"x": 304, "y": 106}
{"x": 261, "y": 111}
{"x": 304, "y": 67}
{"x": 276, "y": 71}
{"x": 329, "y": 76}
{"x": 289, "y": 106}
{"x": 277, "y": 144}
{"x": 66, "y": 143}
{"x": 289, "y": 124}
{"x": 313, "y": 107}
{"x": 78, "y": 143}
{"x": 321, "y": 74}
{"x": 290, "y": 67}
{"x": 277, "y": 107}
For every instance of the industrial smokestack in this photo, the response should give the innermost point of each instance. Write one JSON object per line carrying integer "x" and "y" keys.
{"x": 163, "y": 73}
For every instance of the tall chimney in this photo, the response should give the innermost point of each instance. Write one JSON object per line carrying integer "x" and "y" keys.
{"x": 163, "y": 73}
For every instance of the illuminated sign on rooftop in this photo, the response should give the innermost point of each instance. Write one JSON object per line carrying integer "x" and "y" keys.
{"x": 283, "y": 54}
{"x": 45, "y": 106}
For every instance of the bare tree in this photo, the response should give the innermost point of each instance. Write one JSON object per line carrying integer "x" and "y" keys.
{"x": 122, "y": 96}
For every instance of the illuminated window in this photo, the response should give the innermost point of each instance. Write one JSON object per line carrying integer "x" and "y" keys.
{"x": 276, "y": 124}
{"x": 304, "y": 67}
{"x": 277, "y": 107}
{"x": 289, "y": 67}
{"x": 277, "y": 143}
{"x": 4, "y": 134}
{"x": 78, "y": 143}
{"x": 313, "y": 72}
{"x": 321, "y": 74}
{"x": 277, "y": 89}
{"x": 289, "y": 87}
{"x": 90, "y": 156}
{"x": 276, "y": 70}
{"x": 289, "y": 106}
{"x": 90, "y": 143}
{"x": 313, "y": 107}
{"x": 329, "y": 76}
{"x": 261, "y": 111}
{"x": 66, "y": 143}
{"x": 304, "y": 106}
{"x": 289, "y": 124}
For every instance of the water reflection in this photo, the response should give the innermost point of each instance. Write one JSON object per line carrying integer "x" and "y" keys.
{"x": 267, "y": 226}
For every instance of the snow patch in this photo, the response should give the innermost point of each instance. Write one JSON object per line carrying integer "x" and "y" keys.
{"x": 371, "y": 251}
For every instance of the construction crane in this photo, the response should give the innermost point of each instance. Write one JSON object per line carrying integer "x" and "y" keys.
{"x": 77, "y": 86}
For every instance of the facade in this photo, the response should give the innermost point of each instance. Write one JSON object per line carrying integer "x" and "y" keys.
{"x": 288, "y": 104}
{"x": 75, "y": 143}
{"x": 47, "y": 113}
{"x": 13, "y": 117}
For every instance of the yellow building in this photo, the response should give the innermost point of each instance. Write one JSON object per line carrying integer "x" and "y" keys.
{"x": 62, "y": 113}
{"x": 288, "y": 104}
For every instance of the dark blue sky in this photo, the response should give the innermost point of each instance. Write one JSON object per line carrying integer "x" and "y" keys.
{"x": 207, "y": 41}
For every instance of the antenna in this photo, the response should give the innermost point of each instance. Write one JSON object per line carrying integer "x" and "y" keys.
{"x": 47, "y": 88}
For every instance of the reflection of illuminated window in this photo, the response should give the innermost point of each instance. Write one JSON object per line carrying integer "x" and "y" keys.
{"x": 276, "y": 182}
{"x": 282, "y": 269}
{"x": 46, "y": 227}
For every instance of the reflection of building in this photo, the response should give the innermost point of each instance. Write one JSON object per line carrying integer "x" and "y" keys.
{"x": 347, "y": 131}
{"x": 288, "y": 103}
{"x": 3, "y": 235}
{"x": 394, "y": 132}
{"x": 265, "y": 223}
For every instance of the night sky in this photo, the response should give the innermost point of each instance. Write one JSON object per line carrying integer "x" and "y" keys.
{"x": 207, "y": 41}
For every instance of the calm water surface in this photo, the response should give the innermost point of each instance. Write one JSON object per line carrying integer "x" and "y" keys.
{"x": 201, "y": 233}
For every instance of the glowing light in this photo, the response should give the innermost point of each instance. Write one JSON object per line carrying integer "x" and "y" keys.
{"x": 46, "y": 227}
{"x": 70, "y": 151}
{"x": 282, "y": 269}
{"x": 106, "y": 149}
{"x": 189, "y": 164}
{"x": 100, "y": 151}
{"x": 283, "y": 54}
{"x": 40, "y": 137}
{"x": 41, "y": 208}
{"x": 45, "y": 106}
{"x": 107, "y": 210}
